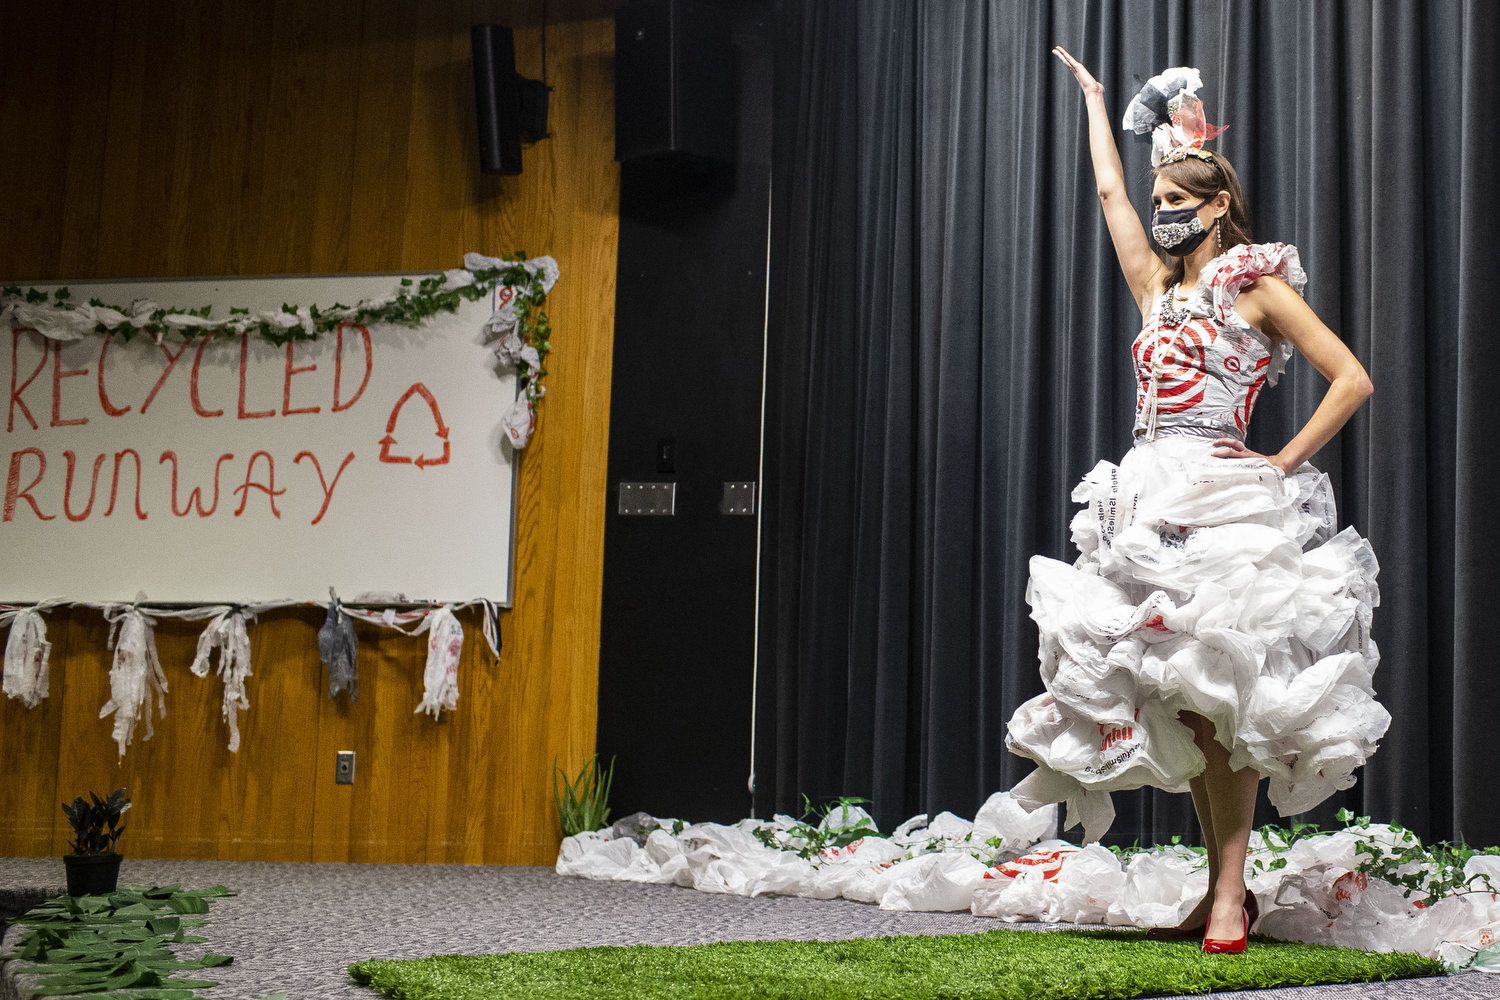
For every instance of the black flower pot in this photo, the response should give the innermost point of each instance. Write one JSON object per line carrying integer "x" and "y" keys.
{"x": 92, "y": 874}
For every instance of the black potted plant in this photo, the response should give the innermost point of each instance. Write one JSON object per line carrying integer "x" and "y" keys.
{"x": 94, "y": 865}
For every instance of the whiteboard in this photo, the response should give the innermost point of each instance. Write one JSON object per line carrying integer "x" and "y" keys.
{"x": 368, "y": 497}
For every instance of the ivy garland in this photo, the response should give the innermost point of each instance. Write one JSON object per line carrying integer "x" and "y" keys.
{"x": 523, "y": 330}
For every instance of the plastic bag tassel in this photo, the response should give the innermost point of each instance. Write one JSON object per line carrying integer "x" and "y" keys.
{"x": 26, "y": 654}
{"x": 339, "y": 649}
{"x": 445, "y": 643}
{"x": 492, "y": 626}
{"x": 135, "y": 672}
{"x": 227, "y": 633}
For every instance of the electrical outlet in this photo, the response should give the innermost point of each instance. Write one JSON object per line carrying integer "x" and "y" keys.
{"x": 343, "y": 768}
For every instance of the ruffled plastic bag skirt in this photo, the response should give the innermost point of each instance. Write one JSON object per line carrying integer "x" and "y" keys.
{"x": 1208, "y": 585}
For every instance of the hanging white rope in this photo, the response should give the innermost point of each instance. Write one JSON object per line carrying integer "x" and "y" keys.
{"x": 445, "y": 643}
{"x": 26, "y": 653}
{"x": 136, "y": 671}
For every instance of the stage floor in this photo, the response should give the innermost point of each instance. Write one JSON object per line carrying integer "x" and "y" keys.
{"x": 294, "y": 927}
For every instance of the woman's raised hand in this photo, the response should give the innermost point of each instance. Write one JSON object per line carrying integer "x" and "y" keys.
{"x": 1084, "y": 77}
{"x": 1137, "y": 259}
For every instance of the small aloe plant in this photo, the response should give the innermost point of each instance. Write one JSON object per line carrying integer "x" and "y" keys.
{"x": 96, "y": 825}
{"x": 583, "y": 802}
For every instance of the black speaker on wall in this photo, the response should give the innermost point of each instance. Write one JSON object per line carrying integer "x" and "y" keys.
{"x": 511, "y": 108}
{"x": 674, "y": 82}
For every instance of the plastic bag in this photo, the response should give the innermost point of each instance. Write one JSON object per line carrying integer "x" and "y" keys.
{"x": 933, "y": 883}
{"x": 445, "y": 645}
{"x": 27, "y": 652}
{"x": 227, "y": 633}
{"x": 594, "y": 855}
{"x": 911, "y": 831}
{"x": 784, "y": 875}
{"x": 134, "y": 674}
{"x": 1002, "y": 816}
{"x": 1160, "y": 890}
{"x": 847, "y": 818}
{"x": 1060, "y": 883}
{"x": 865, "y": 850}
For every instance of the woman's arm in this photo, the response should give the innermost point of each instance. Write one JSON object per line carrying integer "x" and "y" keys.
{"x": 1270, "y": 305}
{"x": 1140, "y": 265}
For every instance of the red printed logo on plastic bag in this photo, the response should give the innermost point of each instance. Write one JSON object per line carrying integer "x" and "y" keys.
{"x": 1486, "y": 937}
{"x": 1049, "y": 863}
{"x": 840, "y": 853}
{"x": 1349, "y": 885}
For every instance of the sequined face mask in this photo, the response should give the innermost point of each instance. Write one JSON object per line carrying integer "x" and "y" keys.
{"x": 1178, "y": 231}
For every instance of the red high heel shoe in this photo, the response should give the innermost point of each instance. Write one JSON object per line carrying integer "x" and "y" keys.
{"x": 1252, "y": 910}
{"x": 1217, "y": 946}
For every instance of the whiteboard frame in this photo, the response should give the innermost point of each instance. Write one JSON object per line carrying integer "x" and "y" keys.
{"x": 508, "y": 602}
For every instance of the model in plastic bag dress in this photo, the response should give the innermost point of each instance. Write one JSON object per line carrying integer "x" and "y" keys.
{"x": 1215, "y": 629}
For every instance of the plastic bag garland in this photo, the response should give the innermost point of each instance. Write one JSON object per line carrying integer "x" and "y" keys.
{"x": 339, "y": 649}
{"x": 26, "y": 655}
{"x": 445, "y": 643}
{"x": 136, "y": 671}
{"x": 228, "y": 635}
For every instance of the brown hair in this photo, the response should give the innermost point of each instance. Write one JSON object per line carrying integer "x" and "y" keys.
{"x": 1206, "y": 179}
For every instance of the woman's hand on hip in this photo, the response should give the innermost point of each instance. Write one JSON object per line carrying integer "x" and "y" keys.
{"x": 1228, "y": 447}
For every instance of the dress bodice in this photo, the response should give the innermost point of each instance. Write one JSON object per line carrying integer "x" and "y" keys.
{"x": 1199, "y": 366}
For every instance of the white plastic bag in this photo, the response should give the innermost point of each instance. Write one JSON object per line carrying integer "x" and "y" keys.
{"x": 846, "y": 818}
{"x": 445, "y": 645}
{"x": 1160, "y": 890}
{"x": 1002, "y": 816}
{"x": 865, "y": 850}
{"x": 1060, "y": 884}
{"x": 782, "y": 875}
{"x": 27, "y": 652}
{"x": 227, "y": 633}
{"x": 135, "y": 673}
{"x": 590, "y": 855}
{"x": 933, "y": 883}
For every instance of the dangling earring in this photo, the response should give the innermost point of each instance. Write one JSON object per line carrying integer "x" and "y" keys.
{"x": 1220, "y": 228}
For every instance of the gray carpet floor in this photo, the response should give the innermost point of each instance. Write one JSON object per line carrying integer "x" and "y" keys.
{"x": 294, "y": 927}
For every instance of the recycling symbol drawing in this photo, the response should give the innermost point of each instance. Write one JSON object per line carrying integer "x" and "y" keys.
{"x": 421, "y": 461}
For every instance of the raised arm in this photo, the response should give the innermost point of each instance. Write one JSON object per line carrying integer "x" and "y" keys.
{"x": 1140, "y": 265}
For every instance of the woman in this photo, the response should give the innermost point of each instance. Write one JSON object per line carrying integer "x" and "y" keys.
{"x": 1215, "y": 629}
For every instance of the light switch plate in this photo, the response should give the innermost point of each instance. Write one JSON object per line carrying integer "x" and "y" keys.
{"x": 343, "y": 768}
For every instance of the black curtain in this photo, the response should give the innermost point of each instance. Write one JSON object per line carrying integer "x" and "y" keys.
{"x": 949, "y": 355}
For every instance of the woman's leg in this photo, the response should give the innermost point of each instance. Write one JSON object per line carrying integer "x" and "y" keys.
{"x": 1231, "y": 796}
{"x": 1202, "y": 805}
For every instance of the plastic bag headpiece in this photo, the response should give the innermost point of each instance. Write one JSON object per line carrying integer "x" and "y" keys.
{"x": 1169, "y": 111}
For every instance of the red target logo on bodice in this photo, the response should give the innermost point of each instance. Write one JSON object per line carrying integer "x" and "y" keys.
{"x": 1179, "y": 356}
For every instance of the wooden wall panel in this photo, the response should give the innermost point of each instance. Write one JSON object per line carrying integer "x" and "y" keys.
{"x": 183, "y": 139}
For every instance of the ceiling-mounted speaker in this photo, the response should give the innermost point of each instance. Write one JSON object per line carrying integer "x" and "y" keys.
{"x": 511, "y": 108}
{"x": 674, "y": 82}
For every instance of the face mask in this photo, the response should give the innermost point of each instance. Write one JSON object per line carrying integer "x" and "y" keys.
{"x": 1178, "y": 231}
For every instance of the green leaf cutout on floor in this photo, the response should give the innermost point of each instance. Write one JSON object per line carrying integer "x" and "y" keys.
{"x": 119, "y": 942}
{"x": 1010, "y": 964}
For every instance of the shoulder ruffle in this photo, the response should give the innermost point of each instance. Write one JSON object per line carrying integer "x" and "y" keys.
{"x": 1229, "y": 273}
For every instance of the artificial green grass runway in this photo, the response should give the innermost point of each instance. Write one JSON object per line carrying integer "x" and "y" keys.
{"x": 1009, "y": 964}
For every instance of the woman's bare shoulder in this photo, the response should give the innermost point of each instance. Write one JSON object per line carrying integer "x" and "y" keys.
{"x": 1262, "y": 299}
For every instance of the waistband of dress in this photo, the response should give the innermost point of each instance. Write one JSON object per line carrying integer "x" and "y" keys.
{"x": 1188, "y": 430}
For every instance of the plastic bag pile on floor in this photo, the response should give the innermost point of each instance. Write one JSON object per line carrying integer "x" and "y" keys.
{"x": 1008, "y": 864}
